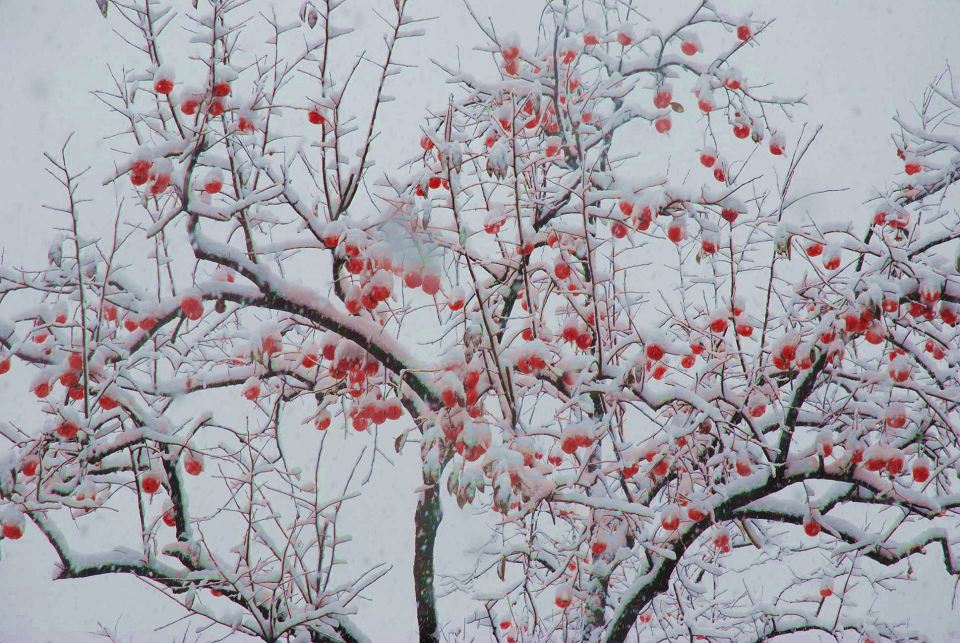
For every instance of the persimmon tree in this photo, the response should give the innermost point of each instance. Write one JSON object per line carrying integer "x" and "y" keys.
{"x": 590, "y": 299}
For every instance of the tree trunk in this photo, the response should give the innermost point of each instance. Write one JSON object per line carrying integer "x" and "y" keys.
{"x": 426, "y": 523}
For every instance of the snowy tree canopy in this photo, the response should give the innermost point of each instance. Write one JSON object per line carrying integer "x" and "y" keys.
{"x": 589, "y": 303}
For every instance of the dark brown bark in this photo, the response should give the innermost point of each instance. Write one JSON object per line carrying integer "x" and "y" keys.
{"x": 426, "y": 522}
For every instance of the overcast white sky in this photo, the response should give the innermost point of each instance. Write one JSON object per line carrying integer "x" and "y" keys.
{"x": 857, "y": 62}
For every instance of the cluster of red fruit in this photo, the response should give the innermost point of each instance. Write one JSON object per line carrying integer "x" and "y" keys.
{"x": 576, "y": 331}
{"x": 690, "y": 46}
{"x": 535, "y": 113}
{"x": 375, "y": 269}
{"x": 155, "y": 172}
{"x": 530, "y": 118}
{"x": 373, "y": 409}
{"x": 346, "y": 361}
{"x": 152, "y": 480}
{"x": 460, "y": 388}
{"x": 432, "y": 183}
{"x": 656, "y": 364}
{"x": 639, "y": 215}
{"x": 469, "y": 439}
{"x": 568, "y": 246}
{"x": 377, "y": 289}
{"x": 192, "y": 99}
{"x": 896, "y": 218}
{"x": 576, "y": 437}
{"x": 349, "y": 361}
{"x": 75, "y": 391}
{"x": 883, "y": 457}
{"x": 191, "y": 102}
{"x": 472, "y": 441}
{"x": 862, "y": 321}
{"x": 530, "y": 359}
{"x": 672, "y": 515}
{"x": 494, "y": 222}
{"x": 660, "y": 461}
{"x": 709, "y": 159}
{"x": 935, "y": 349}
{"x": 145, "y": 322}
{"x": 511, "y": 59}
{"x": 880, "y": 457}
{"x": 70, "y": 378}
{"x": 71, "y": 371}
